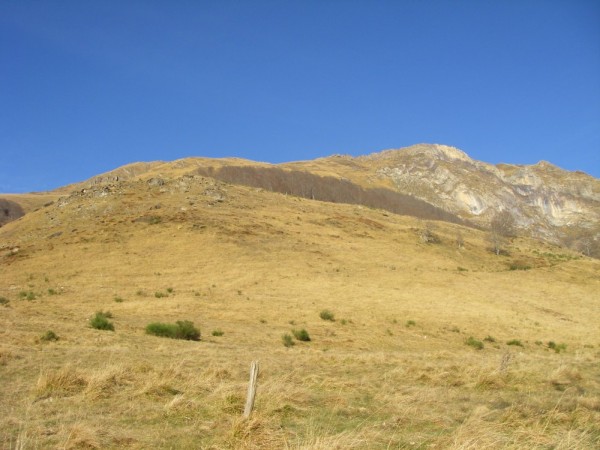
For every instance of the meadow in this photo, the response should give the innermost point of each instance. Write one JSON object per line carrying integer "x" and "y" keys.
{"x": 413, "y": 344}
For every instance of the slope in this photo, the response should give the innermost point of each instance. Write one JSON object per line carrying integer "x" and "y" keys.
{"x": 396, "y": 368}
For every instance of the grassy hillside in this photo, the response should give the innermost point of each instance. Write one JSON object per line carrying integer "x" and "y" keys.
{"x": 399, "y": 366}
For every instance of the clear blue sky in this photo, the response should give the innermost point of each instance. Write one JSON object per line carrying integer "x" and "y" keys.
{"x": 87, "y": 86}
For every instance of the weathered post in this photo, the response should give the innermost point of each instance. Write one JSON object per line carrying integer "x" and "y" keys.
{"x": 251, "y": 389}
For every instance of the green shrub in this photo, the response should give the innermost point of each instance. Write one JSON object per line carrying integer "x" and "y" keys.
{"x": 49, "y": 336}
{"x": 476, "y": 344}
{"x": 557, "y": 347}
{"x": 170, "y": 290}
{"x": 159, "y": 294}
{"x": 516, "y": 342}
{"x": 118, "y": 300}
{"x": 301, "y": 335}
{"x": 218, "y": 332}
{"x": 287, "y": 339}
{"x": 52, "y": 292}
{"x": 182, "y": 329}
{"x": 410, "y": 323}
{"x": 327, "y": 315}
{"x": 4, "y": 301}
{"x": 27, "y": 295}
{"x": 519, "y": 265}
{"x": 187, "y": 330}
{"x": 100, "y": 321}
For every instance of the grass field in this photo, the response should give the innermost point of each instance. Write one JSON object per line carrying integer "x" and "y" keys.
{"x": 416, "y": 356}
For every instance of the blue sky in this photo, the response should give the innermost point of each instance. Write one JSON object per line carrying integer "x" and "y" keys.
{"x": 88, "y": 86}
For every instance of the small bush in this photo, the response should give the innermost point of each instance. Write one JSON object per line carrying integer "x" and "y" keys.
{"x": 327, "y": 315}
{"x": 100, "y": 321}
{"x": 49, "y": 336}
{"x": 4, "y": 301}
{"x": 287, "y": 339}
{"x": 516, "y": 342}
{"x": 27, "y": 295}
{"x": 187, "y": 330}
{"x": 118, "y": 300}
{"x": 52, "y": 292}
{"x": 410, "y": 323}
{"x": 476, "y": 344}
{"x": 301, "y": 335}
{"x": 557, "y": 347}
{"x": 159, "y": 294}
{"x": 519, "y": 265}
{"x": 170, "y": 290}
{"x": 162, "y": 329}
{"x": 182, "y": 329}
{"x": 489, "y": 338}
{"x": 218, "y": 332}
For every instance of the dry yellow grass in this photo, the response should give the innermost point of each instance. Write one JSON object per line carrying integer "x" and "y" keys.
{"x": 392, "y": 370}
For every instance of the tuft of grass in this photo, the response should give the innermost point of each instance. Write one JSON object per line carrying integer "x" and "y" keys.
{"x": 4, "y": 301}
{"x": 170, "y": 290}
{"x": 118, "y": 299}
{"x": 516, "y": 342}
{"x": 182, "y": 329}
{"x": 159, "y": 294}
{"x": 287, "y": 340}
{"x": 489, "y": 338}
{"x": 49, "y": 336}
{"x": 52, "y": 292}
{"x": 410, "y": 323}
{"x": 100, "y": 321}
{"x": 301, "y": 335}
{"x": 327, "y": 315}
{"x": 218, "y": 332}
{"x": 475, "y": 343}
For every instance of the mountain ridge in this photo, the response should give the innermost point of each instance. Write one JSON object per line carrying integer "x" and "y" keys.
{"x": 546, "y": 201}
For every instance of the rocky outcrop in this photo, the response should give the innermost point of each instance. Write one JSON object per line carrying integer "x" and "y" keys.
{"x": 544, "y": 199}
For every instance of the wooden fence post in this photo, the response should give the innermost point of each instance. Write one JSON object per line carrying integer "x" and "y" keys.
{"x": 251, "y": 389}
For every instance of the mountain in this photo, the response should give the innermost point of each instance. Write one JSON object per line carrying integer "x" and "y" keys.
{"x": 420, "y": 336}
{"x": 429, "y": 181}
